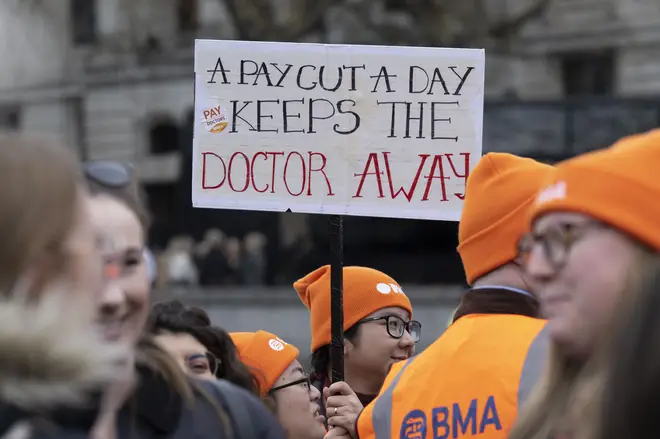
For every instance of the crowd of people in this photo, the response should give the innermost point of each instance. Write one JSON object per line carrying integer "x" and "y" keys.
{"x": 214, "y": 261}
{"x": 553, "y": 339}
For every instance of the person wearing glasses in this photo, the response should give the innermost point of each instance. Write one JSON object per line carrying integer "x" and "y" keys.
{"x": 158, "y": 399}
{"x": 594, "y": 236}
{"x": 378, "y": 329}
{"x": 472, "y": 379}
{"x": 283, "y": 384}
{"x": 202, "y": 350}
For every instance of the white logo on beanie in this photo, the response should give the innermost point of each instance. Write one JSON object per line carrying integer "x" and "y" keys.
{"x": 384, "y": 288}
{"x": 555, "y": 192}
{"x": 276, "y": 344}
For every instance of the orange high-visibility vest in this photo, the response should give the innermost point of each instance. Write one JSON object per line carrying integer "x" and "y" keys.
{"x": 468, "y": 383}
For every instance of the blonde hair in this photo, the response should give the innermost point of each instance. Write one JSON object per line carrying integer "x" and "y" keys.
{"x": 630, "y": 384}
{"x": 566, "y": 399}
{"x": 41, "y": 184}
{"x": 48, "y": 360}
{"x": 38, "y": 204}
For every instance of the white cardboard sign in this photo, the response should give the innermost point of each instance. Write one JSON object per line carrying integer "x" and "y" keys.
{"x": 336, "y": 129}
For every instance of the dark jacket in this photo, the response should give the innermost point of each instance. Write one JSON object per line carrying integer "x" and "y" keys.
{"x": 496, "y": 300}
{"x": 47, "y": 369}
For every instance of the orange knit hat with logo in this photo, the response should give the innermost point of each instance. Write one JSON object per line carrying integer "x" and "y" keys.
{"x": 499, "y": 193}
{"x": 619, "y": 185}
{"x": 266, "y": 354}
{"x": 365, "y": 291}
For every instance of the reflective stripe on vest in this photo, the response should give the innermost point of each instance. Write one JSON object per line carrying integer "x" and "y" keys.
{"x": 381, "y": 417}
{"x": 533, "y": 365}
{"x": 532, "y": 368}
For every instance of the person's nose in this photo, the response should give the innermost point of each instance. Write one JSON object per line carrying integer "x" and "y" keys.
{"x": 406, "y": 341}
{"x": 314, "y": 394}
{"x": 113, "y": 298}
{"x": 537, "y": 266}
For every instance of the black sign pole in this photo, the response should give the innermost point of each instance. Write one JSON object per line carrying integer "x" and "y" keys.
{"x": 337, "y": 297}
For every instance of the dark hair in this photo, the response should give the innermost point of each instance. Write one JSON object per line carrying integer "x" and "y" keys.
{"x": 496, "y": 301}
{"x": 174, "y": 317}
{"x": 321, "y": 359}
{"x": 151, "y": 356}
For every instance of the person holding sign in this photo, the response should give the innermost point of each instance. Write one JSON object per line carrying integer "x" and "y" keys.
{"x": 378, "y": 329}
{"x": 283, "y": 385}
{"x": 471, "y": 380}
{"x": 594, "y": 237}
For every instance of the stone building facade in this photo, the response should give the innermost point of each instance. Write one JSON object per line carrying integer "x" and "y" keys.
{"x": 113, "y": 78}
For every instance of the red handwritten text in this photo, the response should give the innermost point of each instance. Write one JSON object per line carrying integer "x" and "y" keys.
{"x": 436, "y": 172}
{"x": 265, "y": 171}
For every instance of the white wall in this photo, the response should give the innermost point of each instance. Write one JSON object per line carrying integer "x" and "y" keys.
{"x": 54, "y": 118}
{"x": 639, "y": 70}
{"x": 34, "y": 42}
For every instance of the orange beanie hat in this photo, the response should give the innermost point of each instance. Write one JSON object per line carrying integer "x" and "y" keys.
{"x": 365, "y": 291}
{"x": 619, "y": 186}
{"x": 499, "y": 193}
{"x": 266, "y": 354}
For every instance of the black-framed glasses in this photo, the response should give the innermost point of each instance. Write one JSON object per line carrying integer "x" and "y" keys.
{"x": 108, "y": 173}
{"x": 556, "y": 242}
{"x": 396, "y": 326}
{"x": 202, "y": 363}
{"x": 305, "y": 382}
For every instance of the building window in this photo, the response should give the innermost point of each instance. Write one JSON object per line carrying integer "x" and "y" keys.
{"x": 83, "y": 21}
{"x": 395, "y": 5}
{"x": 10, "y": 118}
{"x": 187, "y": 14}
{"x": 588, "y": 73}
{"x": 163, "y": 137}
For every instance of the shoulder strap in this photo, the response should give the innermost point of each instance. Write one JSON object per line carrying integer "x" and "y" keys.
{"x": 238, "y": 411}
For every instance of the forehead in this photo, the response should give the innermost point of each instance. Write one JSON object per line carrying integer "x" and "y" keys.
{"x": 392, "y": 311}
{"x": 182, "y": 344}
{"x": 116, "y": 220}
{"x": 556, "y": 218}
{"x": 294, "y": 370}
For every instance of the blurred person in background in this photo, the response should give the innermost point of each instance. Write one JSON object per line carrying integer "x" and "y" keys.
{"x": 283, "y": 384}
{"x": 51, "y": 276}
{"x": 378, "y": 329}
{"x": 202, "y": 350}
{"x": 253, "y": 260}
{"x": 181, "y": 268}
{"x": 159, "y": 399}
{"x": 211, "y": 259}
{"x": 233, "y": 253}
{"x": 594, "y": 235}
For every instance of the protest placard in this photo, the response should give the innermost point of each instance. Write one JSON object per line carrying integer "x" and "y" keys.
{"x": 336, "y": 129}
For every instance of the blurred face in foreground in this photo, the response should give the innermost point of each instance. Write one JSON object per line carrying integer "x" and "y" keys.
{"x": 125, "y": 299}
{"x": 582, "y": 268}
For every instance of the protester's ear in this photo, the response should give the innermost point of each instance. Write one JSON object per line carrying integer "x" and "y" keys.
{"x": 348, "y": 346}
